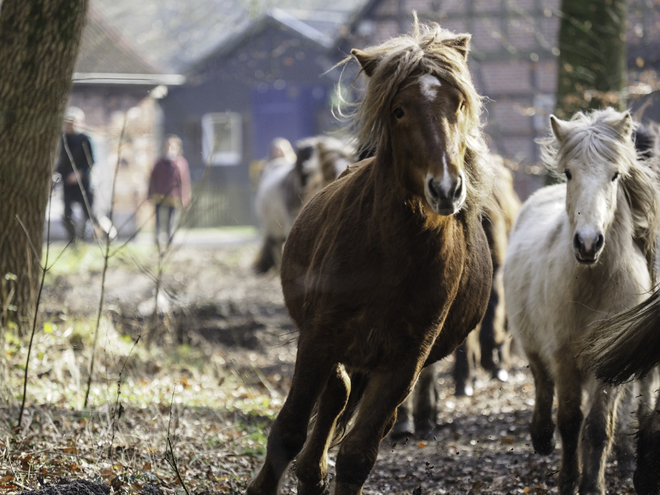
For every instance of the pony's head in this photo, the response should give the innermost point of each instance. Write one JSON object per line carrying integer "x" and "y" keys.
{"x": 421, "y": 108}
{"x": 596, "y": 155}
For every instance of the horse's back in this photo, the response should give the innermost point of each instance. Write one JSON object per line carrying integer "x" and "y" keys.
{"x": 532, "y": 269}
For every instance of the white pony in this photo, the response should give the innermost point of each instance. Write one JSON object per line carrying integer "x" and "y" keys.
{"x": 580, "y": 251}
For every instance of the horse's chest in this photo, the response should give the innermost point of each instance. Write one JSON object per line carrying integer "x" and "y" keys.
{"x": 407, "y": 306}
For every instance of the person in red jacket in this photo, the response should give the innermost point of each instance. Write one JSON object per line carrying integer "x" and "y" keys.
{"x": 169, "y": 185}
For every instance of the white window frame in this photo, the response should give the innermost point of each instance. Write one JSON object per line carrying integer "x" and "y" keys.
{"x": 222, "y": 158}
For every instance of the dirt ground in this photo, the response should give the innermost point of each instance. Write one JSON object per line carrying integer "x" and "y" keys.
{"x": 217, "y": 307}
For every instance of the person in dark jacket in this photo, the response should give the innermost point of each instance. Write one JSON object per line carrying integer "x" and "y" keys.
{"x": 169, "y": 185}
{"x": 74, "y": 164}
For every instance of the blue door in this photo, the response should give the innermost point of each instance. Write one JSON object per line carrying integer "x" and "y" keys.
{"x": 288, "y": 112}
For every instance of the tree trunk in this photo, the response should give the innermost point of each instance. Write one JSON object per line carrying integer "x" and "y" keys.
{"x": 592, "y": 70}
{"x": 38, "y": 47}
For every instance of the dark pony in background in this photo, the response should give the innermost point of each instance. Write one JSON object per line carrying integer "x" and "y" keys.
{"x": 286, "y": 185}
{"x": 489, "y": 344}
{"x": 386, "y": 269}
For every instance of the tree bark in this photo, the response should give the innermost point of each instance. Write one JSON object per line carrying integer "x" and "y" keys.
{"x": 592, "y": 69}
{"x": 39, "y": 42}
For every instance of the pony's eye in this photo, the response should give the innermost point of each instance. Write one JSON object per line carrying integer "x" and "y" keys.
{"x": 398, "y": 113}
{"x": 568, "y": 175}
{"x": 461, "y": 107}
{"x": 615, "y": 176}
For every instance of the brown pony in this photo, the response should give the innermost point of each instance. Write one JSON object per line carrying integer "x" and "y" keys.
{"x": 386, "y": 269}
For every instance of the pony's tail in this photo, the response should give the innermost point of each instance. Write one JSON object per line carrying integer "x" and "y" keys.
{"x": 265, "y": 259}
{"x": 626, "y": 345}
{"x": 359, "y": 382}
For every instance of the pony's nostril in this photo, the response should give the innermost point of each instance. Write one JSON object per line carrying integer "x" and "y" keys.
{"x": 432, "y": 189}
{"x": 577, "y": 242}
{"x": 459, "y": 188}
{"x": 599, "y": 243}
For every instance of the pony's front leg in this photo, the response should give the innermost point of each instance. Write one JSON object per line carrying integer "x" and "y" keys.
{"x": 404, "y": 426}
{"x": 289, "y": 430}
{"x": 542, "y": 428}
{"x": 423, "y": 401}
{"x": 624, "y": 434}
{"x": 569, "y": 420}
{"x": 359, "y": 450}
{"x": 596, "y": 438}
{"x": 464, "y": 364}
{"x": 312, "y": 464}
{"x": 426, "y": 402}
{"x": 647, "y": 474}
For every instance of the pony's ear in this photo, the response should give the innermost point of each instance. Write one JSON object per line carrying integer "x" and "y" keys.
{"x": 560, "y": 128}
{"x": 624, "y": 125}
{"x": 366, "y": 61}
{"x": 460, "y": 43}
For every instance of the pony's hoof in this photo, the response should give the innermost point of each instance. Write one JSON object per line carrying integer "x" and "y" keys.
{"x": 320, "y": 488}
{"x": 402, "y": 429}
{"x": 544, "y": 445}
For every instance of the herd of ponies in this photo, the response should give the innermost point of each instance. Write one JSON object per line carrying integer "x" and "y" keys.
{"x": 391, "y": 263}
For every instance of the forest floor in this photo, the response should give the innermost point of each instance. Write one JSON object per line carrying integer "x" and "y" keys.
{"x": 200, "y": 387}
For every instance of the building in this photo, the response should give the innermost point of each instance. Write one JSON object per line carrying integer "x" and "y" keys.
{"x": 513, "y": 61}
{"x": 272, "y": 78}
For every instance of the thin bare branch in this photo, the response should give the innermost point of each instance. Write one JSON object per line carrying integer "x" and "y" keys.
{"x": 106, "y": 258}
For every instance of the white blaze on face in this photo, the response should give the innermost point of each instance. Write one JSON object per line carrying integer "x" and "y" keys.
{"x": 446, "y": 179}
{"x": 429, "y": 85}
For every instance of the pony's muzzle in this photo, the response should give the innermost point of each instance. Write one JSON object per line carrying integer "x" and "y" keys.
{"x": 445, "y": 196}
{"x": 588, "y": 247}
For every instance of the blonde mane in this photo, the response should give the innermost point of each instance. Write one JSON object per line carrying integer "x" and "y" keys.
{"x": 596, "y": 138}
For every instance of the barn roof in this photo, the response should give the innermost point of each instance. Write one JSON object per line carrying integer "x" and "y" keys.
{"x": 249, "y": 29}
{"x": 178, "y": 34}
{"x": 106, "y": 57}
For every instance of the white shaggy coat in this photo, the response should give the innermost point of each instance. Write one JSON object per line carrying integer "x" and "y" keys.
{"x": 551, "y": 298}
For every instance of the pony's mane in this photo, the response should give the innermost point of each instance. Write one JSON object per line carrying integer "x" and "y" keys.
{"x": 595, "y": 138}
{"x": 429, "y": 50}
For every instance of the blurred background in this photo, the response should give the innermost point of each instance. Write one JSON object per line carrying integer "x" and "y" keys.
{"x": 228, "y": 76}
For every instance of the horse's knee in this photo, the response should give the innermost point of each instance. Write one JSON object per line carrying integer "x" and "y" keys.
{"x": 569, "y": 422}
{"x": 286, "y": 441}
{"x": 596, "y": 432}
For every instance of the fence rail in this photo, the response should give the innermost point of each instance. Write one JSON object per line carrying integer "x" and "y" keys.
{"x": 217, "y": 205}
